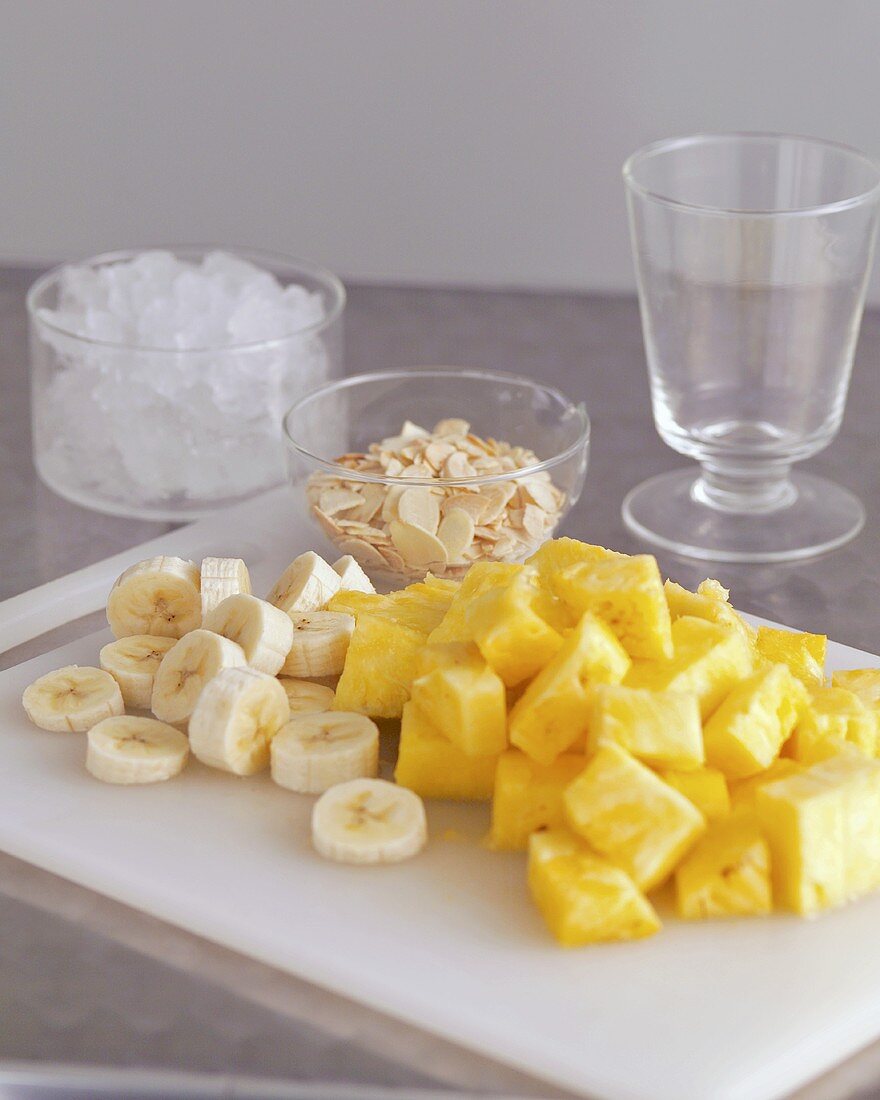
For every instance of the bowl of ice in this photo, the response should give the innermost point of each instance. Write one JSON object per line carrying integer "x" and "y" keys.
{"x": 160, "y": 378}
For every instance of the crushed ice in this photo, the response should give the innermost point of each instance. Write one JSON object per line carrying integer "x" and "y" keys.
{"x": 156, "y": 429}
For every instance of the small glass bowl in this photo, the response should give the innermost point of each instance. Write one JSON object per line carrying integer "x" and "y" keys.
{"x": 326, "y": 431}
{"x": 168, "y": 433}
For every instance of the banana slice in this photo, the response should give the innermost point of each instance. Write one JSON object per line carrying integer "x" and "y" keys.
{"x": 320, "y": 643}
{"x": 185, "y": 670}
{"x": 263, "y": 631}
{"x": 221, "y": 578}
{"x": 157, "y": 596}
{"x": 353, "y": 578}
{"x": 316, "y": 751}
{"x": 133, "y": 663}
{"x": 72, "y": 699}
{"x": 135, "y": 750}
{"x": 236, "y": 718}
{"x": 307, "y": 697}
{"x": 305, "y": 585}
{"x": 368, "y": 821}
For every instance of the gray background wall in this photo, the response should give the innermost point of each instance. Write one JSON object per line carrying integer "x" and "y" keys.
{"x": 461, "y": 141}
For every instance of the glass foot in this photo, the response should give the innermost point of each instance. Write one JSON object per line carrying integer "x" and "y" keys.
{"x": 816, "y": 516}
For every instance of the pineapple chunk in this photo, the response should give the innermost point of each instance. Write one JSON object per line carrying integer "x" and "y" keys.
{"x": 835, "y": 717}
{"x": 558, "y": 554}
{"x": 380, "y": 666}
{"x": 803, "y": 653}
{"x": 433, "y": 767}
{"x": 553, "y": 712}
{"x": 709, "y": 602}
{"x": 467, "y": 703}
{"x": 627, "y": 594}
{"x": 662, "y": 728}
{"x": 482, "y": 577}
{"x": 627, "y": 813}
{"x": 743, "y": 791}
{"x": 528, "y": 796}
{"x": 823, "y": 827}
{"x": 514, "y": 639}
{"x": 864, "y": 682}
{"x": 705, "y": 787}
{"x": 709, "y": 660}
{"x": 446, "y": 655}
{"x": 744, "y": 735}
{"x": 727, "y": 874}
{"x": 582, "y": 897}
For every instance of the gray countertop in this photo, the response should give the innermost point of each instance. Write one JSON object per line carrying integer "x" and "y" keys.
{"x": 85, "y": 980}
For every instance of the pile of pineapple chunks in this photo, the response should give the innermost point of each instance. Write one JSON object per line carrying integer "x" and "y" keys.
{"x": 629, "y": 734}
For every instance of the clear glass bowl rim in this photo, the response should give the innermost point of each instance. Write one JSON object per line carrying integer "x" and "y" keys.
{"x": 415, "y": 373}
{"x": 665, "y": 145}
{"x": 332, "y": 283}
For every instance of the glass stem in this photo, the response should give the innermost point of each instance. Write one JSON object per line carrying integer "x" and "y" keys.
{"x": 750, "y": 490}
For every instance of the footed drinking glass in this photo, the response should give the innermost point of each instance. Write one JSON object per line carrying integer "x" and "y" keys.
{"x": 752, "y": 254}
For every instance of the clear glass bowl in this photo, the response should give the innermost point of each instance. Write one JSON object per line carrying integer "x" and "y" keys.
{"x": 164, "y": 433}
{"x": 511, "y": 512}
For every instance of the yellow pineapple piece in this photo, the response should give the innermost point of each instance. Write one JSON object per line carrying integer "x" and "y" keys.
{"x": 513, "y": 638}
{"x": 728, "y": 872}
{"x": 627, "y": 813}
{"x": 553, "y": 712}
{"x": 803, "y": 653}
{"x": 705, "y": 787}
{"x": 834, "y": 718}
{"x": 746, "y": 732}
{"x": 380, "y": 665}
{"x": 662, "y": 728}
{"x": 467, "y": 703}
{"x": 823, "y": 828}
{"x": 709, "y": 602}
{"x": 864, "y": 682}
{"x": 627, "y": 594}
{"x": 708, "y": 661}
{"x": 582, "y": 897}
{"x": 433, "y": 767}
{"x": 555, "y": 555}
{"x": 743, "y": 791}
{"x": 446, "y": 655}
{"x": 482, "y": 577}
{"x": 528, "y": 796}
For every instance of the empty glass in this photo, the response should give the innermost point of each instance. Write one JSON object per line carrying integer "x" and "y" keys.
{"x": 752, "y": 254}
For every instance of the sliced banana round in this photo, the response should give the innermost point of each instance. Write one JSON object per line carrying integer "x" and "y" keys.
{"x": 133, "y": 663}
{"x": 185, "y": 670}
{"x": 307, "y": 697}
{"x": 72, "y": 699}
{"x": 369, "y": 821}
{"x": 237, "y": 716}
{"x": 352, "y": 576}
{"x": 320, "y": 643}
{"x": 305, "y": 585}
{"x": 263, "y": 631}
{"x": 221, "y": 578}
{"x": 135, "y": 750}
{"x": 315, "y": 751}
{"x": 157, "y": 596}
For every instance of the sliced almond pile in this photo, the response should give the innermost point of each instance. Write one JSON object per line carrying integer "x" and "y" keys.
{"x": 409, "y": 530}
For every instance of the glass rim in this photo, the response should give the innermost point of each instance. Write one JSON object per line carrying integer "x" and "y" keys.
{"x": 670, "y": 144}
{"x": 323, "y": 275}
{"x": 343, "y": 472}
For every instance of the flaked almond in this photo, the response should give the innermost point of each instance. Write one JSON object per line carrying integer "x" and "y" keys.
{"x": 451, "y": 426}
{"x": 456, "y": 532}
{"x": 534, "y": 520}
{"x": 457, "y": 465}
{"x": 340, "y": 499}
{"x": 472, "y": 503}
{"x": 364, "y": 554}
{"x": 419, "y": 508}
{"x": 418, "y": 548}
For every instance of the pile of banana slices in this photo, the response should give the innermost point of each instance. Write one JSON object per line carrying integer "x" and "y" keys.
{"x": 241, "y": 683}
